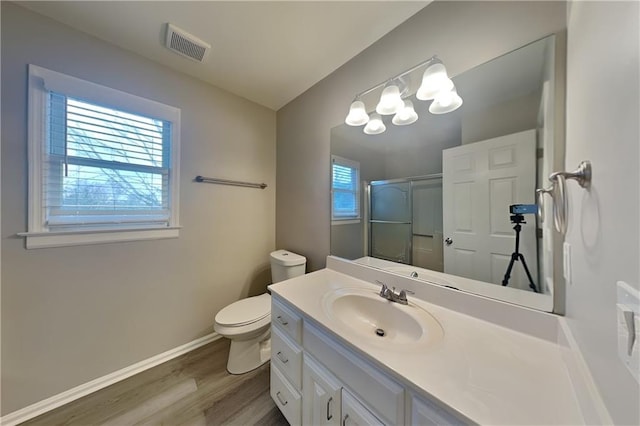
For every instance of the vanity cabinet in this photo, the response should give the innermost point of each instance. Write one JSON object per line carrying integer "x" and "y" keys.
{"x": 315, "y": 380}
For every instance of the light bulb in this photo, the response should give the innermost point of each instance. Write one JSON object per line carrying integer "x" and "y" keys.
{"x": 406, "y": 115}
{"x": 390, "y": 100}
{"x": 434, "y": 81}
{"x": 375, "y": 126}
{"x": 357, "y": 114}
{"x": 445, "y": 102}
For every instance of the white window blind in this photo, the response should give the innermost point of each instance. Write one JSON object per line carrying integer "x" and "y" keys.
{"x": 345, "y": 189}
{"x": 103, "y": 164}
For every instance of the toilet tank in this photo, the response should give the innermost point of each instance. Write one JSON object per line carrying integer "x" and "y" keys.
{"x": 285, "y": 265}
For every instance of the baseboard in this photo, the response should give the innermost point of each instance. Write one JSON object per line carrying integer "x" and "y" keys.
{"x": 592, "y": 406}
{"x": 77, "y": 392}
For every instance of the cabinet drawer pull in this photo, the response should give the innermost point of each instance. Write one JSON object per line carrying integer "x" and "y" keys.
{"x": 282, "y": 320}
{"x": 283, "y": 402}
{"x": 344, "y": 420}
{"x": 282, "y": 357}
{"x": 329, "y": 414}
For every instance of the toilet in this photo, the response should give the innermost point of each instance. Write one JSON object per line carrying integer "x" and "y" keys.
{"x": 247, "y": 322}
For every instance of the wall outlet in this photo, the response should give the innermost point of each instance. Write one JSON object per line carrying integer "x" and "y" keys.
{"x": 566, "y": 262}
{"x": 628, "y": 320}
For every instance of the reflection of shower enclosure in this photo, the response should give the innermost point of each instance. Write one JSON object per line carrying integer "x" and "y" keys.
{"x": 405, "y": 221}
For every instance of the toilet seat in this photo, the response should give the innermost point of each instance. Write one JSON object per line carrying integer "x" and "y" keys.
{"x": 245, "y": 311}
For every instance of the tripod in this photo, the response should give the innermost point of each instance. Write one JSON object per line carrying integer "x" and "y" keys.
{"x": 516, "y": 255}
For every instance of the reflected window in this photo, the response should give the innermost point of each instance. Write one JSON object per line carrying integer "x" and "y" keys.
{"x": 345, "y": 190}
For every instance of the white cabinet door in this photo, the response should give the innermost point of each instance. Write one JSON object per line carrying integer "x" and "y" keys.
{"x": 320, "y": 395}
{"x": 356, "y": 414}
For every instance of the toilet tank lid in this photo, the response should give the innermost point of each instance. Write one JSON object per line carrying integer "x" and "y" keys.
{"x": 245, "y": 311}
{"x": 287, "y": 258}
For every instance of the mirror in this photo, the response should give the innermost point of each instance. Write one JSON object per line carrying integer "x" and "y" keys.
{"x": 435, "y": 196}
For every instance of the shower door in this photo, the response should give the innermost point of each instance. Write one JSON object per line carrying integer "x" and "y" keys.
{"x": 390, "y": 221}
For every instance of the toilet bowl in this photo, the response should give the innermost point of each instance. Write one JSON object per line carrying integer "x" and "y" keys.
{"x": 247, "y": 322}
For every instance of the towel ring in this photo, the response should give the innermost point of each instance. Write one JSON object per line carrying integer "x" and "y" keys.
{"x": 540, "y": 195}
{"x": 558, "y": 192}
{"x": 560, "y": 204}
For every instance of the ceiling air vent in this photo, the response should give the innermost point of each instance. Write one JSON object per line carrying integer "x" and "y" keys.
{"x": 186, "y": 44}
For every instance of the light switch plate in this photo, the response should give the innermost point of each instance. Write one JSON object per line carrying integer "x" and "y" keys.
{"x": 628, "y": 320}
{"x": 566, "y": 262}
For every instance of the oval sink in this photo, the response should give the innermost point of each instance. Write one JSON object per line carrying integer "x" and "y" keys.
{"x": 373, "y": 319}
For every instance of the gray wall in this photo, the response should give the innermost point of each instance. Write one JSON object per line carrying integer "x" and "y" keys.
{"x": 603, "y": 223}
{"x": 70, "y": 315}
{"x": 513, "y": 116}
{"x": 463, "y": 34}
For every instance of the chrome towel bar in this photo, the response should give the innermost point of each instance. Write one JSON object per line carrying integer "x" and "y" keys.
{"x": 203, "y": 179}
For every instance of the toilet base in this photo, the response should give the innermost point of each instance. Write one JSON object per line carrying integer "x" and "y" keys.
{"x": 247, "y": 355}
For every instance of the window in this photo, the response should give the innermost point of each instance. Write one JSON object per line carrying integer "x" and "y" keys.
{"x": 103, "y": 164}
{"x": 345, "y": 189}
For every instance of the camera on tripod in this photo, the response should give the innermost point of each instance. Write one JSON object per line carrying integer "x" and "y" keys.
{"x": 517, "y": 216}
{"x": 518, "y": 210}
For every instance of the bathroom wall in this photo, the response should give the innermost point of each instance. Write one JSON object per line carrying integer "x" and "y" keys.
{"x": 602, "y": 125}
{"x": 603, "y": 79}
{"x": 463, "y": 34}
{"x": 505, "y": 118}
{"x": 70, "y": 315}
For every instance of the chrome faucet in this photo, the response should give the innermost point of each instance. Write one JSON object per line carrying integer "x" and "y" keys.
{"x": 391, "y": 295}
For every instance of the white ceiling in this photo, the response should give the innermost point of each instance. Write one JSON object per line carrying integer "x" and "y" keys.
{"x": 268, "y": 52}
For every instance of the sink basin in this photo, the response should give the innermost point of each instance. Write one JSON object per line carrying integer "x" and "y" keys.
{"x": 364, "y": 315}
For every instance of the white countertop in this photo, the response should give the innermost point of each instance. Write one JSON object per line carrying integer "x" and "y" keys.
{"x": 488, "y": 373}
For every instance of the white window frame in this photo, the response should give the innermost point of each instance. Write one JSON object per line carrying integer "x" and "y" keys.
{"x": 41, "y": 82}
{"x": 335, "y": 159}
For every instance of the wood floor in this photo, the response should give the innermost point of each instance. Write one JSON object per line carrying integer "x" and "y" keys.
{"x": 192, "y": 390}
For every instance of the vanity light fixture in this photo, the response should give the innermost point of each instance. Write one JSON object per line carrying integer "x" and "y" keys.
{"x": 406, "y": 115}
{"x": 436, "y": 85}
{"x": 357, "y": 113}
{"x": 375, "y": 126}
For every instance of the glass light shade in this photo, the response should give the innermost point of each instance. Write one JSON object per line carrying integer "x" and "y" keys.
{"x": 446, "y": 102}
{"x": 390, "y": 100}
{"x": 434, "y": 81}
{"x": 357, "y": 114}
{"x": 375, "y": 126}
{"x": 406, "y": 115}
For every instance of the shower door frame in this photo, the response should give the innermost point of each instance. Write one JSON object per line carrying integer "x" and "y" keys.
{"x": 369, "y": 221}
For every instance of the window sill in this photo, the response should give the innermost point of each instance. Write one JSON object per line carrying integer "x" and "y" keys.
{"x": 345, "y": 222}
{"x": 36, "y": 240}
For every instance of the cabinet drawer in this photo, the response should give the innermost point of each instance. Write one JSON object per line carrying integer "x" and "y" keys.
{"x": 287, "y": 399}
{"x": 287, "y": 356}
{"x": 286, "y": 320}
{"x": 384, "y": 396}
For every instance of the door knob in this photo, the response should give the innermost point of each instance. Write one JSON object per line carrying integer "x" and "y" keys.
{"x": 448, "y": 241}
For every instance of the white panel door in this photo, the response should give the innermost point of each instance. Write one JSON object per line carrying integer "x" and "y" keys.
{"x": 480, "y": 181}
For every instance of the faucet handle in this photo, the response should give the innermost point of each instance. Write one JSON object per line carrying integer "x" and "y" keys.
{"x": 384, "y": 289}
{"x": 403, "y": 294}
